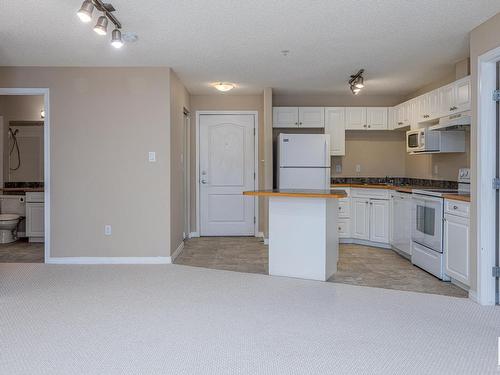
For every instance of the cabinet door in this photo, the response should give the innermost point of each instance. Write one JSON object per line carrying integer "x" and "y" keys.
{"x": 433, "y": 104}
{"x": 360, "y": 218}
{"x": 355, "y": 118}
{"x": 456, "y": 248}
{"x": 35, "y": 220}
{"x": 400, "y": 116}
{"x": 462, "y": 95}
{"x": 411, "y": 113}
{"x": 401, "y": 223}
{"x": 379, "y": 221}
{"x": 446, "y": 100}
{"x": 335, "y": 127}
{"x": 285, "y": 117}
{"x": 376, "y": 118}
{"x": 422, "y": 113}
{"x": 311, "y": 117}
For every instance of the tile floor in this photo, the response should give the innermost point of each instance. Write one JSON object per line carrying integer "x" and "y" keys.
{"x": 358, "y": 265}
{"x": 21, "y": 251}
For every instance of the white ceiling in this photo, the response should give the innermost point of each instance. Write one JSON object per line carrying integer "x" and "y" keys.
{"x": 402, "y": 44}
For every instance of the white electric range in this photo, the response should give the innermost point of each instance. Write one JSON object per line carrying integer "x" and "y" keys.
{"x": 427, "y": 225}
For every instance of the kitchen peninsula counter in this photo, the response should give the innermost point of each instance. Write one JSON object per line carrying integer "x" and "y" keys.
{"x": 303, "y": 236}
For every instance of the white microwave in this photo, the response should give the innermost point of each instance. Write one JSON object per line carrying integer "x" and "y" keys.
{"x": 422, "y": 140}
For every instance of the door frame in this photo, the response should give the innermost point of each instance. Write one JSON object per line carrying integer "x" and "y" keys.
{"x": 187, "y": 173}
{"x": 46, "y": 156}
{"x": 256, "y": 164}
{"x": 483, "y": 173}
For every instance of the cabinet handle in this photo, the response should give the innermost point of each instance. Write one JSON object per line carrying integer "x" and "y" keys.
{"x": 297, "y": 123}
{"x": 371, "y": 202}
{"x": 300, "y": 123}
{"x": 455, "y": 207}
{"x": 340, "y": 208}
{"x": 340, "y": 228}
{"x": 369, "y": 126}
{"x": 400, "y": 123}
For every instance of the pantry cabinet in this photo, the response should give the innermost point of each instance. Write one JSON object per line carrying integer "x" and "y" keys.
{"x": 335, "y": 127}
{"x": 298, "y": 117}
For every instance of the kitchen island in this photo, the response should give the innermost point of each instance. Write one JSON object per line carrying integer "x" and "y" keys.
{"x": 303, "y": 238}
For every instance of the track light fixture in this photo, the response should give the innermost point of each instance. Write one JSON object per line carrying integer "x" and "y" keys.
{"x": 356, "y": 83}
{"x": 101, "y": 27}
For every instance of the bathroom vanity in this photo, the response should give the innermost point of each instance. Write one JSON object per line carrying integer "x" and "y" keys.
{"x": 303, "y": 237}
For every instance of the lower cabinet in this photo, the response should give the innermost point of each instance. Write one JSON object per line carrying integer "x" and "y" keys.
{"x": 35, "y": 217}
{"x": 456, "y": 247}
{"x": 361, "y": 218}
{"x": 379, "y": 220}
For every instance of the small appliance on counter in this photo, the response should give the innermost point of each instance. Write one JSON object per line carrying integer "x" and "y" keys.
{"x": 427, "y": 225}
{"x": 304, "y": 161}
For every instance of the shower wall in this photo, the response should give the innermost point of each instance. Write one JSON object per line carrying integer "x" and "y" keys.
{"x": 30, "y": 138}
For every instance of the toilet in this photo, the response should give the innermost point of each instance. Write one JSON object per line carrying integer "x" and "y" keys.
{"x": 12, "y": 210}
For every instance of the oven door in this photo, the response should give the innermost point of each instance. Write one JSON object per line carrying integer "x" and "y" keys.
{"x": 427, "y": 222}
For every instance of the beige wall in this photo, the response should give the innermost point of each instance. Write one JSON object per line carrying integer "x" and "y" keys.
{"x": 379, "y": 154}
{"x": 103, "y": 122}
{"x": 179, "y": 100}
{"x": 20, "y": 108}
{"x": 482, "y": 39}
{"x": 225, "y": 102}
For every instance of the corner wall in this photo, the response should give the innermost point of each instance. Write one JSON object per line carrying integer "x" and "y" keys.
{"x": 103, "y": 122}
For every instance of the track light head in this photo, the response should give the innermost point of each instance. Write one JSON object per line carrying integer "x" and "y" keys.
{"x": 356, "y": 83}
{"x": 116, "y": 39}
{"x": 101, "y": 27}
{"x": 85, "y": 12}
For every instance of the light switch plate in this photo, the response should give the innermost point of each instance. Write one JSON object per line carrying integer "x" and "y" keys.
{"x": 152, "y": 156}
{"x": 358, "y": 167}
{"x": 338, "y": 168}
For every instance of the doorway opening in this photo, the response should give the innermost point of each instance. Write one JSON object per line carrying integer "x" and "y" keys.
{"x": 24, "y": 175}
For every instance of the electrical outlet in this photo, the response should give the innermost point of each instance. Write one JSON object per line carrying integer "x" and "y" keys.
{"x": 107, "y": 230}
{"x": 436, "y": 169}
{"x": 152, "y": 156}
{"x": 338, "y": 168}
{"x": 358, "y": 168}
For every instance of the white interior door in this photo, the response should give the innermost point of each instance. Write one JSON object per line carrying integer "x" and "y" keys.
{"x": 227, "y": 154}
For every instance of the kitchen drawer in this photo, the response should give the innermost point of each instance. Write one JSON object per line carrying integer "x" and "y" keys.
{"x": 370, "y": 193}
{"x": 344, "y": 208}
{"x": 344, "y": 228}
{"x": 457, "y": 208}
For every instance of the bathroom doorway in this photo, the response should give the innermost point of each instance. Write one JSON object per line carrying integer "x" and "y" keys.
{"x": 24, "y": 156}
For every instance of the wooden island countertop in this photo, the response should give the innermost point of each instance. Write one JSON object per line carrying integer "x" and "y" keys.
{"x": 298, "y": 193}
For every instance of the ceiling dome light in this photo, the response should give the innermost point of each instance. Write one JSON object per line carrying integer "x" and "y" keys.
{"x": 224, "y": 86}
{"x": 85, "y": 12}
{"x": 116, "y": 39}
{"x": 101, "y": 27}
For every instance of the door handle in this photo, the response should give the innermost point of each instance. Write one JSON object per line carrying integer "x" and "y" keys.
{"x": 204, "y": 181}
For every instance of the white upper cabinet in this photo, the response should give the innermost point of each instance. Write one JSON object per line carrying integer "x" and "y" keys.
{"x": 355, "y": 118}
{"x": 462, "y": 95}
{"x": 285, "y": 117}
{"x": 298, "y": 117}
{"x": 455, "y": 97}
{"x": 335, "y": 127}
{"x": 399, "y": 116}
{"x": 376, "y": 118}
{"x": 363, "y": 118}
{"x": 311, "y": 117}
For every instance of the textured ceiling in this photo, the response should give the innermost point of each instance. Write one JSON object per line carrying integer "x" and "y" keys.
{"x": 402, "y": 44}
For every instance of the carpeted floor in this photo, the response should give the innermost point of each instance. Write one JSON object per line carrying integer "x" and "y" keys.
{"x": 171, "y": 319}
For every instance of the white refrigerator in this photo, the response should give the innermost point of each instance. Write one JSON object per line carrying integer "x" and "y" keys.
{"x": 304, "y": 161}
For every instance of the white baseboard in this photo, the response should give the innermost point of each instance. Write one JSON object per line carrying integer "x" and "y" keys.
{"x": 473, "y": 296}
{"x": 260, "y": 235}
{"x": 110, "y": 260}
{"x": 177, "y": 252}
{"x": 365, "y": 242}
{"x": 194, "y": 235}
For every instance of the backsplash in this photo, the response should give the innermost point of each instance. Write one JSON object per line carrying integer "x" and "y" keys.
{"x": 22, "y": 185}
{"x": 399, "y": 181}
